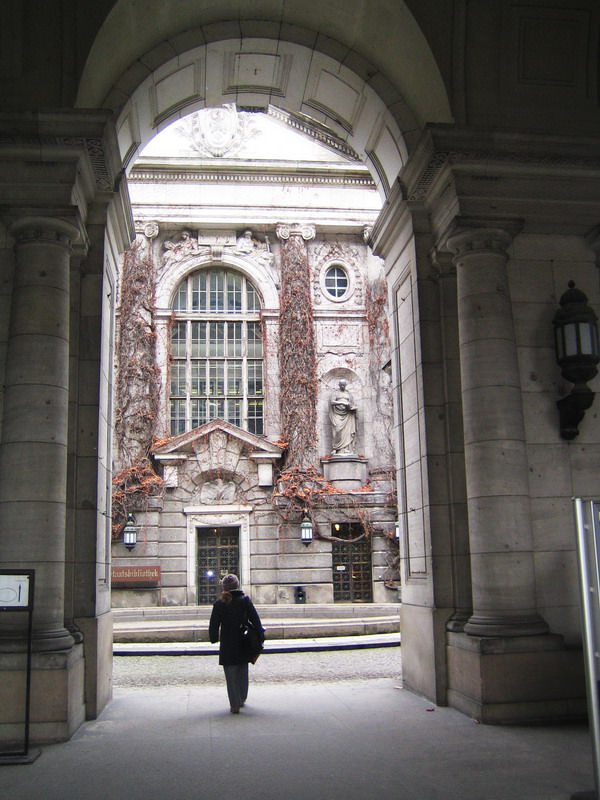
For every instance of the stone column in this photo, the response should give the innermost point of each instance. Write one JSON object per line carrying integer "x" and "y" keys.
{"x": 33, "y": 449}
{"x": 500, "y": 534}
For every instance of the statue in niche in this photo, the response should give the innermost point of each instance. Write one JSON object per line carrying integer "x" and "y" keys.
{"x": 342, "y": 415}
{"x": 245, "y": 243}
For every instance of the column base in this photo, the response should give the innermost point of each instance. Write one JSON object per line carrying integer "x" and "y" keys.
{"x": 457, "y": 621}
{"x": 57, "y": 697}
{"x": 43, "y": 641}
{"x": 515, "y": 680}
{"x": 482, "y": 625}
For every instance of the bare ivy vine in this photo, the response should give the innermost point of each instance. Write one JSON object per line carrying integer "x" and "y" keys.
{"x": 297, "y": 357}
{"x": 137, "y": 387}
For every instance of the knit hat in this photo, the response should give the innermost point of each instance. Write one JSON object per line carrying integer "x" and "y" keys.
{"x": 230, "y": 582}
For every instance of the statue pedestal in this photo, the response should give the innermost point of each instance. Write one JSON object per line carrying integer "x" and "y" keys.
{"x": 345, "y": 471}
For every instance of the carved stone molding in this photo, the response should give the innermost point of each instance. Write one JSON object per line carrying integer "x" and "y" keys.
{"x": 94, "y": 148}
{"x": 421, "y": 189}
{"x": 479, "y": 240}
{"x": 151, "y": 230}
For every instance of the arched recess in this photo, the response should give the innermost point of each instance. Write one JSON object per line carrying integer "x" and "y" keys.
{"x": 254, "y": 271}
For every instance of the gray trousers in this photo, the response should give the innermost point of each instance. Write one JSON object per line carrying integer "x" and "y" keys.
{"x": 236, "y": 676}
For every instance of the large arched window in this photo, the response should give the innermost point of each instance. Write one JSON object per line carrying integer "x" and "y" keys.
{"x": 216, "y": 352}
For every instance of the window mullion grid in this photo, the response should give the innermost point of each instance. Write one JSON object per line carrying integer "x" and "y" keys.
{"x": 228, "y": 355}
{"x": 188, "y": 370}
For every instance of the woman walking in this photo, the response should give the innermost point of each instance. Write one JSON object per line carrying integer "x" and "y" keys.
{"x": 228, "y": 616}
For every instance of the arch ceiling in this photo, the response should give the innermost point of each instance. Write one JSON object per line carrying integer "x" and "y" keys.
{"x": 368, "y": 75}
{"x": 316, "y": 94}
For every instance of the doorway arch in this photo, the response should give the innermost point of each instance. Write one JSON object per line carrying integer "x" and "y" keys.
{"x": 327, "y": 87}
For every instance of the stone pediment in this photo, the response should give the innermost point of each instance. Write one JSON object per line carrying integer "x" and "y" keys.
{"x": 186, "y": 444}
{"x": 221, "y": 447}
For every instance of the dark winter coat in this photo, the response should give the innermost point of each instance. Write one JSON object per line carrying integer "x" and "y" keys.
{"x": 224, "y": 626}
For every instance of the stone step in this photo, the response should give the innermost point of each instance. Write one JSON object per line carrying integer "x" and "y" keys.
{"x": 305, "y": 645}
{"x": 287, "y": 611}
{"x": 186, "y": 627}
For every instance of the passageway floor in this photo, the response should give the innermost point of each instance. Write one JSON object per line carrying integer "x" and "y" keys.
{"x": 315, "y": 740}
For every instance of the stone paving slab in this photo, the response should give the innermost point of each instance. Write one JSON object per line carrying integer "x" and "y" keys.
{"x": 324, "y": 740}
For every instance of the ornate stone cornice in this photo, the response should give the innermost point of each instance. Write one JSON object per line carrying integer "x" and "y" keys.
{"x": 316, "y": 177}
{"x": 93, "y": 147}
{"x": 310, "y": 128}
{"x": 550, "y": 183}
{"x": 63, "y": 163}
{"x": 511, "y": 162}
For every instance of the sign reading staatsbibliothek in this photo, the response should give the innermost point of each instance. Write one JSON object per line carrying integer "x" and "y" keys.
{"x": 135, "y": 577}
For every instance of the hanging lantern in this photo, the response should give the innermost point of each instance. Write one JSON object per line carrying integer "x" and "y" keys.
{"x": 306, "y": 530}
{"x": 130, "y": 533}
{"x": 577, "y": 354}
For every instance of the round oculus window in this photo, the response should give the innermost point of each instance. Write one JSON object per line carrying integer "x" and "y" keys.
{"x": 336, "y": 282}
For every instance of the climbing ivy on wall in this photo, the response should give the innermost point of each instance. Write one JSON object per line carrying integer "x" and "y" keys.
{"x": 137, "y": 387}
{"x": 378, "y": 327}
{"x": 297, "y": 357}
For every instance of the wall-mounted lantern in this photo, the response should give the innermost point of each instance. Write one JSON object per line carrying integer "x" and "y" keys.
{"x": 577, "y": 354}
{"x": 306, "y": 530}
{"x": 130, "y": 532}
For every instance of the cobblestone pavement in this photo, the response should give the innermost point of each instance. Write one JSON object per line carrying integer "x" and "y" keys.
{"x": 329, "y": 665}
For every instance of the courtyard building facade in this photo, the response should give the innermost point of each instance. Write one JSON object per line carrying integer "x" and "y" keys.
{"x": 212, "y": 288}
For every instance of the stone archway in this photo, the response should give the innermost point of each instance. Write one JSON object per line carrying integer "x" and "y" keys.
{"x": 325, "y": 90}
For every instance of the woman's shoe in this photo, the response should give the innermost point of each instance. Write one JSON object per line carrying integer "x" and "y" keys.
{"x": 235, "y": 709}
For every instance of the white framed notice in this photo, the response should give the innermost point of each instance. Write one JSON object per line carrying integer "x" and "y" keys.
{"x": 15, "y": 590}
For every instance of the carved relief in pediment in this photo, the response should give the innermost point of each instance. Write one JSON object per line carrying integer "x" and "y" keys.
{"x": 217, "y": 492}
{"x": 217, "y": 451}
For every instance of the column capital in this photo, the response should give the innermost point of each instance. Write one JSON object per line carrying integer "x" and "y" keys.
{"x": 50, "y": 230}
{"x": 285, "y": 231}
{"x": 479, "y": 240}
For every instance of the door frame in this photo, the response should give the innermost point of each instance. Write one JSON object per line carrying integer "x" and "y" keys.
{"x": 216, "y": 517}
